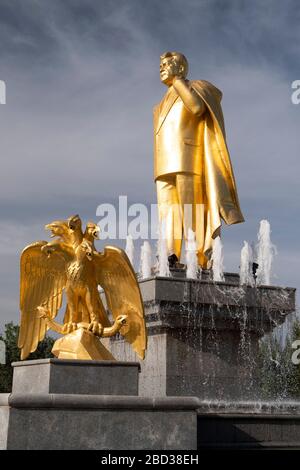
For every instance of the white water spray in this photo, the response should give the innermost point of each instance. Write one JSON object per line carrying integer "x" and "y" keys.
{"x": 246, "y": 275}
{"x": 265, "y": 254}
{"x": 145, "y": 266}
{"x": 162, "y": 250}
{"x": 218, "y": 260}
{"x": 191, "y": 256}
{"x": 129, "y": 249}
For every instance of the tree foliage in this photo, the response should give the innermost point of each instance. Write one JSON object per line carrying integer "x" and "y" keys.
{"x": 10, "y": 338}
{"x": 280, "y": 378}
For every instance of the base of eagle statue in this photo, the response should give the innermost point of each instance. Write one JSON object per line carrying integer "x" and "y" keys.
{"x": 81, "y": 344}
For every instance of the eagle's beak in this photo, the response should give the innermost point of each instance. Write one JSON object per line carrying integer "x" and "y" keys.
{"x": 50, "y": 227}
{"x": 96, "y": 233}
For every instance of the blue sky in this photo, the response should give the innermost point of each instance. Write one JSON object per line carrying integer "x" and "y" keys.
{"x": 82, "y": 78}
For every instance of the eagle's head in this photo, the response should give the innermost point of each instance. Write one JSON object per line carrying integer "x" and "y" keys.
{"x": 58, "y": 228}
{"x": 92, "y": 231}
{"x": 74, "y": 222}
{"x": 86, "y": 249}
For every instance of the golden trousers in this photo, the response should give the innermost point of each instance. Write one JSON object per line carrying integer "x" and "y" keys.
{"x": 182, "y": 206}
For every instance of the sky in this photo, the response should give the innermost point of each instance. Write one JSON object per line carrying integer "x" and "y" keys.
{"x": 76, "y": 131}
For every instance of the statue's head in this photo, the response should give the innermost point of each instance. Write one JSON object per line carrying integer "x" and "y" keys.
{"x": 172, "y": 64}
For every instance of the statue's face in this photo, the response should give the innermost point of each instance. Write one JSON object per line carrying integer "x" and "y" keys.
{"x": 169, "y": 69}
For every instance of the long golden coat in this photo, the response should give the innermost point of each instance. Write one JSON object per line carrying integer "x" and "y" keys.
{"x": 187, "y": 143}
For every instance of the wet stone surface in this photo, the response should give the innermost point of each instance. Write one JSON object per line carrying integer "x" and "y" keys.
{"x": 203, "y": 336}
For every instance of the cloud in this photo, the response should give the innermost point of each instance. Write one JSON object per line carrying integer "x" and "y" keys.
{"x": 82, "y": 78}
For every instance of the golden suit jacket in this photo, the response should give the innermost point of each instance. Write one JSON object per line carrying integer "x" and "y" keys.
{"x": 186, "y": 143}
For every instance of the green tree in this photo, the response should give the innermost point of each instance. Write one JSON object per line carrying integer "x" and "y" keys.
{"x": 10, "y": 338}
{"x": 280, "y": 378}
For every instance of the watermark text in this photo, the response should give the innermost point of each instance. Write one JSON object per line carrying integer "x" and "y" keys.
{"x": 295, "y": 96}
{"x": 296, "y": 354}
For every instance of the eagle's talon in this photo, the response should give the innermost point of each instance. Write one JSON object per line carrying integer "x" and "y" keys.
{"x": 95, "y": 327}
{"x": 69, "y": 327}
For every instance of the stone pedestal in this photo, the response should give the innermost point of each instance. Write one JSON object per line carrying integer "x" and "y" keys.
{"x": 203, "y": 336}
{"x": 76, "y": 377}
{"x": 82, "y": 422}
{"x": 68, "y": 404}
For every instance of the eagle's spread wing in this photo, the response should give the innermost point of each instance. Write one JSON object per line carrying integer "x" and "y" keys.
{"x": 43, "y": 279}
{"x": 116, "y": 276}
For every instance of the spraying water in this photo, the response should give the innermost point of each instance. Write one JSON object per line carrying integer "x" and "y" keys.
{"x": 246, "y": 275}
{"x": 191, "y": 256}
{"x": 163, "y": 264}
{"x": 218, "y": 260}
{"x": 129, "y": 249}
{"x": 145, "y": 266}
{"x": 265, "y": 254}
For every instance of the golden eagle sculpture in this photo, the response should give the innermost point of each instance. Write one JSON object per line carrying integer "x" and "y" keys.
{"x": 71, "y": 264}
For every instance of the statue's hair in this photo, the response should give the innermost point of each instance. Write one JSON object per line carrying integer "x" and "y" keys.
{"x": 180, "y": 58}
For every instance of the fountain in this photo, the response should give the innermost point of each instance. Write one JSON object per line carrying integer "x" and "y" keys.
{"x": 162, "y": 251}
{"x": 204, "y": 335}
{"x": 146, "y": 259}
{"x": 246, "y": 274}
{"x": 218, "y": 260}
{"x": 191, "y": 256}
{"x": 129, "y": 249}
{"x": 265, "y": 254}
{"x": 204, "y": 341}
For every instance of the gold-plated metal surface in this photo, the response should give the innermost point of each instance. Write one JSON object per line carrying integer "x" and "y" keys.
{"x": 191, "y": 160}
{"x": 71, "y": 264}
{"x": 81, "y": 344}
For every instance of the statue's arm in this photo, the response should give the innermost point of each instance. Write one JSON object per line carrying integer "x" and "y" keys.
{"x": 190, "y": 98}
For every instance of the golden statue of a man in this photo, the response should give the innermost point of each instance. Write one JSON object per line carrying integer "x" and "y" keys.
{"x": 193, "y": 172}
